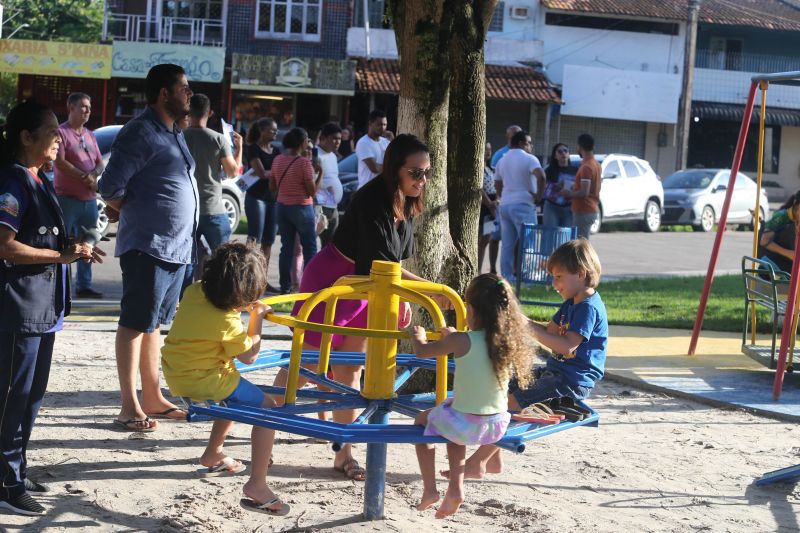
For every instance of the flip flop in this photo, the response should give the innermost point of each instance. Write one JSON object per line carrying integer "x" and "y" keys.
{"x": 125, "y": 425}
{"x": 536, "y": 420}
{"x": 226, "y": 467}
{"x": 164, "y": 415}
{"x": 352, "y": 470}
{"x": 265, "y": 507}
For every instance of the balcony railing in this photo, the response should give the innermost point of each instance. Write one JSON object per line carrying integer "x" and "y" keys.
{"x": 759, "y": 63}
{"x": 175, "y": 30}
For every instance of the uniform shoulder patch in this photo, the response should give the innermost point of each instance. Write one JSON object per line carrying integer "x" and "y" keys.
{"x": 9, "y": 204}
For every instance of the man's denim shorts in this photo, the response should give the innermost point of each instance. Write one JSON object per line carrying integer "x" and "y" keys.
{"x": 245, "y": 393}
{"x": 150, "y": 291}
{"x": 546, "y": 384}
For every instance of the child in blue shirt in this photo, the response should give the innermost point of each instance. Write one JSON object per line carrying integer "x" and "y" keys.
{"x": 578, "y": 336}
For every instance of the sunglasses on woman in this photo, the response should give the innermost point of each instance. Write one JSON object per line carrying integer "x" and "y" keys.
{"x": 562, "y": 150}
{"x": 419, "y": 174}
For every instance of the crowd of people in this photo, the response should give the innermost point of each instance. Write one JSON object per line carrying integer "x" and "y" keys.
{"x": 162, "y": 184}
{"x": 516, "y": 188}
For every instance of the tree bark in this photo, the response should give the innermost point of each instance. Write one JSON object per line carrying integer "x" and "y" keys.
{"x": 442, "y": 101}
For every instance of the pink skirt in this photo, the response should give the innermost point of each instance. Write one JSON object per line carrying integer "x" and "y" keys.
{"x": 324, "y": 269}
{"x": 464, "y": 428}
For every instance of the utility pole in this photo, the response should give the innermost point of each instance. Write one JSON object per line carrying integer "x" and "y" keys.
{"x": 685, "y": 112}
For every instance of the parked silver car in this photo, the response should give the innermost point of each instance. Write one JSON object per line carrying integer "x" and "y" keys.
{"x": 232, "y": 196}
{"x": 695, "y": 196}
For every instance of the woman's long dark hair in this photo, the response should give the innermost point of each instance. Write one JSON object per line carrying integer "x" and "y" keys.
{"x": 254, "y": 133}
{"x": 394, "y": 160}
{"x": 553, "y": 167}
{"x": 27, "y": 116}
{"x": 792, "y": 201}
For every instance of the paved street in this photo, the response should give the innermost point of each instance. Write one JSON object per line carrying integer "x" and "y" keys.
{"x": 623, "y": 254}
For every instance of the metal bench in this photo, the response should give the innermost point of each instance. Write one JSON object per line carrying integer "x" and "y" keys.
{"x": 764, "y": 287}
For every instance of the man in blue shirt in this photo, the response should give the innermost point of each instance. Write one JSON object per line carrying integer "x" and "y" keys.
{"x": 150, "y": 182}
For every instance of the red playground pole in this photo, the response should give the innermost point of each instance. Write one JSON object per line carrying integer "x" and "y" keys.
{"x": 723, "y": 218}
{"x": 786, "y": 335}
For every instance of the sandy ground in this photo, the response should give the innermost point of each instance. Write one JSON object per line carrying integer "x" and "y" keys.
{"x": 655, "y": 464}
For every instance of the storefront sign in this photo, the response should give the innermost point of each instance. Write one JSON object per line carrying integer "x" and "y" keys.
{"x": 293, "y": 74}
{"x": 55, "y": 59}
{"x": 202, "y": 63}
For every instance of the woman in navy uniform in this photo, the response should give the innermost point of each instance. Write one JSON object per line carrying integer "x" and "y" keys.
{"x": 34, "y": 289}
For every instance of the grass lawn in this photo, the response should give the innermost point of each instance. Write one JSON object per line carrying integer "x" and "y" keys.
{"x": 658, "y": 302}
{"x": 663, "y": 303}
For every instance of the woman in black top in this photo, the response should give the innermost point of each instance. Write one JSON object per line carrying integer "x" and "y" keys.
{"x": 346, "y": 146}
{"x": 259, "y": 202}
{"x": 559, "y": 175}
{"x": 378, "y": 224}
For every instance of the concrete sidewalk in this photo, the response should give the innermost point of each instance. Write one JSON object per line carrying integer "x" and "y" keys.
{"x": 655, "y": 358}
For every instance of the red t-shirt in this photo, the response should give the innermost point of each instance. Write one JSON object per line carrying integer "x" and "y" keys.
{"x": 83, "y": 153}
{"x": 291, "y": 173}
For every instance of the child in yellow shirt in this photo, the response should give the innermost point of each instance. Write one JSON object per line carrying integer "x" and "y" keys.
{"x": 198, "y": 360}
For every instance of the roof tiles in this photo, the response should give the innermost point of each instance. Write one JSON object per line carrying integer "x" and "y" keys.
{"x": 770, "y": 14}
{"x": 503, "y": 82}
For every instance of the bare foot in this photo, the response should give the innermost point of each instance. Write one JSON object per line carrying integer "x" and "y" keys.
{"x": 428, "y": 499}
{"x": 260, "y": 493}
{"x": 212, "y": 459}
{"x": 163, "y": 406}
{"x": 452, "y": 501}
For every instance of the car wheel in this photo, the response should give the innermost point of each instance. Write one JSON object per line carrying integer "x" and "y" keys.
{"x": 652, "y": 216}
{"x": 232, "y": 210}
{"x": 706, "y": 219}
{"x": 103, "y": 225}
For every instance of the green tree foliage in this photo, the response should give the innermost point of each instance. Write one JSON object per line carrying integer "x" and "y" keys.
{"x": 77, "y": 21}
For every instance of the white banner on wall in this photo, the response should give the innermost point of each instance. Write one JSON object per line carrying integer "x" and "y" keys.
{"x": 202, "y": 63}
{"x": 621, "y": 94}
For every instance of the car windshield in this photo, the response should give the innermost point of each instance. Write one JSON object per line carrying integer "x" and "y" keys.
{"x": 689, "y": 179}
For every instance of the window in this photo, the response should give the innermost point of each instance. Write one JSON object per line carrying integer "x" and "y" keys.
{"x": 631, "y": 169}
{"x": 289, "y": 19}
{"x": 497, "y": 17}
{"x": 201, "y": 9}
{"x": 612, "y": 170}
{"x": 378, "y": 14}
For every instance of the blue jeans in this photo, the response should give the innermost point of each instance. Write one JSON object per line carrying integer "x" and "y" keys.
{"x": 24, "y": 370}
{"x": 584, "y": 222}
{"x": 262, "y": 223}
{"x": 557, "y": 215}
{"x": 547, "y": 384}
{"x": 79, "y": 214}
{"x": 217, "y": 230}
{"x": 512, "y": 216}
{"x": 295, "y": 219}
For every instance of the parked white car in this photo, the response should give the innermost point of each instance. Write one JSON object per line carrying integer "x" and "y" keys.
{"x": 695, "y": 196}
{"x": 630, "y": 190}
{"x": 232, "y": 196}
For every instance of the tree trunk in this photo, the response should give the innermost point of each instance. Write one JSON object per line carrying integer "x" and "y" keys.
{"x": 442, "y": 101}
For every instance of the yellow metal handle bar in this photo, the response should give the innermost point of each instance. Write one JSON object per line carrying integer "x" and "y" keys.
{"x": 294, "y": 322}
